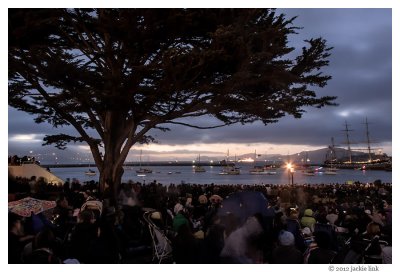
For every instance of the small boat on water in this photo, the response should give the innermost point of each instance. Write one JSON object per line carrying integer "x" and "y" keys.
{"x": 90, "y": 172}
{"x": 143, "y": 170}
{"x": 306, "y": 167}
{"x": 230, "y": 170}
{"x": 330, "y": 171}
{"x": 262, "y": 170}
{"x": 198, "y": 168}
{"x": 332, "y": 157}
{"x": 309, "y": 172}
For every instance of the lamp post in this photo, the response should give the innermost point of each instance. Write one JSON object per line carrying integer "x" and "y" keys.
{"x": 290, "y": 169}
{"x": 292, "y": 174}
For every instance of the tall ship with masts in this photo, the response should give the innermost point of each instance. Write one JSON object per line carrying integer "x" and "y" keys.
{"x": 366, "y": 161}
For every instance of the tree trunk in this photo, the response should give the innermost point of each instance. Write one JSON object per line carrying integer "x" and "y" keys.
{"x": 110, "y": 181}
{"x": 118, "y": 137}
{"x": 111, "y": 169}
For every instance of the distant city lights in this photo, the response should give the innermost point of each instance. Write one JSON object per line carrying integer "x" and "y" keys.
{"x": 246, "y": 160}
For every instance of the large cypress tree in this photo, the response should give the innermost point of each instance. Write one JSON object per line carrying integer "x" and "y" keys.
{"x": 116, "y": 74}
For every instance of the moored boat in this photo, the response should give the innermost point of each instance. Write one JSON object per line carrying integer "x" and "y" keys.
{"x": 230, "y": 170}
{"x": 198, "y": 168}
{"x": 330, "y": 171}
{"x": 262, "y": 170}
{"x": 143, "y": 170}
{"x": 90, "y": 172}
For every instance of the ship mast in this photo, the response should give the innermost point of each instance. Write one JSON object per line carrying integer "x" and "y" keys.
{"x": 347, "y": 130}
{"x": 368, "y": 140}
{"x": 332, "y": 148}
{"x": 140, "y": 164}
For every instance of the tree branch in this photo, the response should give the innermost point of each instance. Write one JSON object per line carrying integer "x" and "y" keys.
{"x": 69, "y": 118}
{"x": 200, "y": 127}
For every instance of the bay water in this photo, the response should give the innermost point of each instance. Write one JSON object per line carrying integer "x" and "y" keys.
{"x": 185, "y": 174}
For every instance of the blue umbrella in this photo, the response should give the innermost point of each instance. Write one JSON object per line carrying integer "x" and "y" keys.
{"x": 244, "y": 204}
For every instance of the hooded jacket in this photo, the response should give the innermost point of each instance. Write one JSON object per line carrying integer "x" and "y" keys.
{"x": 307, "y": 220}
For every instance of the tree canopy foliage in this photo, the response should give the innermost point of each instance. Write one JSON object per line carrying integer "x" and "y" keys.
{"x": 116, "y": 74}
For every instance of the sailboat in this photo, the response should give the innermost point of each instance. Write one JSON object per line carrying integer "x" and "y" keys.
{"x": 308, "y": 169}
{"x": 143, "y": 170}
{"x": 261, "y": 170}
{"x": 230, "y": 168}
{"x": 90, "y": 172}
{"x": 198, "y": 168}
{"x": 331, "y": 170}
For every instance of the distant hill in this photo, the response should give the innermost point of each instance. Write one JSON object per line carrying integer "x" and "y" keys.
{"x": 315, "y": 156}
{"x": 320, "y": 155}
{"x": 259, "y": 156}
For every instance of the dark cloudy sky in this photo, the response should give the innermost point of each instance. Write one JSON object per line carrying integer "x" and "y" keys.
{"x": 361, "y": 69}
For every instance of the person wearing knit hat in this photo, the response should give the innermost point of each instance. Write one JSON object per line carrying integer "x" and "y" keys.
{"x": 332, "y": 216}
{"x": 307, "y": 232}
{"x": 203, "y": 199}
{"x": 286, "y": 252}
{"x": 177, "y": 208}
{"x": 286, "y": 238}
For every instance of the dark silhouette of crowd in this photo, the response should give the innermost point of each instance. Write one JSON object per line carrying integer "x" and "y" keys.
{"x": 319, "y": 223}
{"x": 15, "y": 160}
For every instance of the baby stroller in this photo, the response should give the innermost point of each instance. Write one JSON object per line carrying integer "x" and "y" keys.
{"x": 162, "y": 249}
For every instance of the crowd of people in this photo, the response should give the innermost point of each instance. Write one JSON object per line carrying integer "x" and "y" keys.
{"x": 15, "y": 160}
{"x": 319, "y": 223}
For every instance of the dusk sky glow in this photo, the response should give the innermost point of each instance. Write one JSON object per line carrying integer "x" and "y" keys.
{"x": 361, "y": 69}
{"x": 364, "y": 65}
